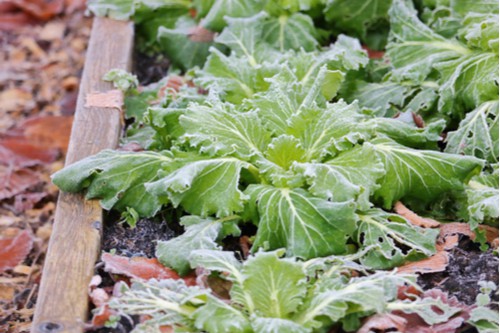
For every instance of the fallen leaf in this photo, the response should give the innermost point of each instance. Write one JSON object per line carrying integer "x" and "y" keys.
{"x": 100, "y": 316}
{"x": 14, "y": 250}
{"x": 245, "y": 245}
{"x": 49, "y": 131}
{"x": 373, "y": 54}
{"x": 23, "y": 269}
{"x": 67, "y": 103}
{"x": 413, "y": 218}
{"x": 383, "y": 322}
{"x": 52, "y": 31}
{"x": 44, "y": 232}
{"x": 494, "y": 243}
{"x": 220, "y": 287}
{"x": 14, "y": 21}
{"x": 21, "y": 153}
{"x": 34, "y": 48}
{"x": 450, "y": 233}
{"x": 15, "y": 99}
{"x": 25, "y": 201}
{"x": 415, "y": 324}
{"x": 436, "y": 263}
{"x": 408, "y": 291}
{"x": 6, "y": 292}
{"x": 418, "y": 120}
{"x": 100, "y": 298}
{"x": 162, "y": 329}
{"x": 137, "y": 267}
{"x": 74, "y": 5}
{"x": 40, "y": 9}
{"x": 200, "y": 35}
{"x": 491, "y": 233}
{"x": 174, "y": 82}
{"x": 70, "y": 83}
{"x": 6, "y": 221}
{"x": 7, "y": 7}
{"x": 171, "y": 86}
{"x": 15, "y": 182}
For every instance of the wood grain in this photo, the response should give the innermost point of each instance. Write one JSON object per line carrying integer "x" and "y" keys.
{"x": 74, "y": 247}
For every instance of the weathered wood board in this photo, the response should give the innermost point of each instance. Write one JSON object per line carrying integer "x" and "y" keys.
{"x": 74, "y": 247}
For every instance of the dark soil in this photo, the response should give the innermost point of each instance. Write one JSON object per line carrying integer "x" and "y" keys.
{"x": 150, "y": 68}
{"x": 141, "y": 240}
{"x": 125, "y": 325}
{"x": 468, "y": 265}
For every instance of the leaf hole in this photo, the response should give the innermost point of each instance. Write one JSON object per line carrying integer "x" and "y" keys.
{"x": 362, "y": 237}
{"x": 437, "y": 310}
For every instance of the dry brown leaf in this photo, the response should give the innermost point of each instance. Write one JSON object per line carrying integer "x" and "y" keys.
{"x": 413, "y": 218}
{"x": 44, "y": 232}
{"x": 436, "y": 263}
{"x": 14, "y": 250}
{"x": 26, "y": 201}
{"x": 220, "y": 287}
{"x": 100, "y": 298}
{"x": 40, "y": 9}
{"x": 450, "y": 233}
{"x": 6, "y": 221}
{"x": 491, "y": 233}
{"x": 34, "y": 48}
{"x": 382, "y": 323}
{"x": 408, "y": 292}
{"x": 415, "y": 324}
{"x": 111, "y": 99}
{"x": 137, "y": 267}
{"x": 15, "y": 182}
{"x": 67, "y": 103}
{"x": 19, "y": 152}
{"x": 14, "y": 21}
{"x": 52, "y": 31}
{"x": 418, "y": 120}
{"x": 6, "y": 7}
{"x": 494, "y": 243}
{"x": 49, "y": 131}
{"x": 74, "y": 5}
{"x": 23, "y": 269}
{"x": 15, "y": 99}
{"x": 7, "y": 292}
{"x": 101, "y": 315}
{"x": 200, "y": 35}
{"x": 245, "y": 245}
{"x": 372, "y": 54}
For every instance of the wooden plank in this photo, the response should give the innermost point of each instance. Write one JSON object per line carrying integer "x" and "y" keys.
{"x": 74, "y": 247}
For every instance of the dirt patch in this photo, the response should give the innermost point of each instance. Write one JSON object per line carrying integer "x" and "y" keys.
{"x": 141, "y": 240}
{"x": 467, "y": 266}
{"x": 150, "y": 68}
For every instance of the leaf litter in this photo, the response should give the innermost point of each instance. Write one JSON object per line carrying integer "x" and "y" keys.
{"x": 41, "y": 58}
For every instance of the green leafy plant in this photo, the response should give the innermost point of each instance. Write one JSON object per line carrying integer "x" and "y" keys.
{"x": 272, "y": 294}
{"x": 482, "y": 316}
{"x": 267, "y": 144}
{"x": 313, "y": 144}
{"x": 268, "y": 294}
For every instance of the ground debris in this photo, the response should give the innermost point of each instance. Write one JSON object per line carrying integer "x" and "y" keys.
{"x": 467, "y": 266}
{"x": 40, "y": 66}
